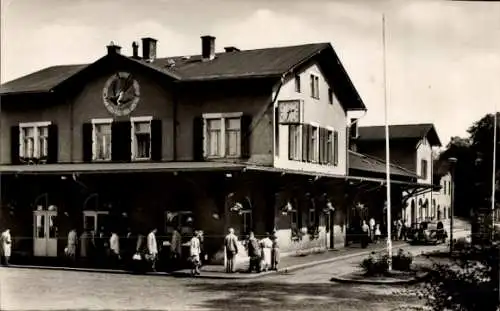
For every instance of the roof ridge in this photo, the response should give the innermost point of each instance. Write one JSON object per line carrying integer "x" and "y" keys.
{"x": 249, "y": 50}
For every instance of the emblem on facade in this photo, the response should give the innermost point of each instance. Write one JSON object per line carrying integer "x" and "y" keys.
{"x": 121, "y": 94}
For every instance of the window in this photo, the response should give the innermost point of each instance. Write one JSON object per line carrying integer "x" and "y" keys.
{"x": 330, "y": 96}
{"x": 101, "y": 139}
{"x": 335, "y": 148}
{"x": 246, "y": 222}
{"x": 223, "y": 135}
{"x": 34, "y": 140}
{"x": 329, "y": 147}
{"x": 314, "y": 86}
{"x": 297, "y": 83}
{"x": 141, "y": 138}
{"x": 315, "y": 144}
{"x": 294, "y": 142}
{"x": 423, "y": 169}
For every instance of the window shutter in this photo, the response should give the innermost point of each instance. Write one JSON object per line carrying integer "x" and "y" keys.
{"x": 321, "y": 145}
{"x": 156, "y": 140}
{"x": 14, "y": 145}
{"x": 290, "y": 139}
{"x": 121, "y": 141}
{"x": 310, "y": 146}
{"x": 53, "y": 144}
{"x": 305, "y": 142}
{"x": 246, "y": 135}
{"x": 335, "y": 148}
{"x": 87, "y": 142}
{"x": 198, "y": 139}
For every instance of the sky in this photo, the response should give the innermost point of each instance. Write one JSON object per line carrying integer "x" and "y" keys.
{"x": 443, "y": 57}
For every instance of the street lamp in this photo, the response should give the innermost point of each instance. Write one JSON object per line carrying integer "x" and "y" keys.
{"x": 452, "y": 162}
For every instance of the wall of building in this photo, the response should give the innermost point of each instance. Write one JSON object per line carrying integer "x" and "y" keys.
{"x": 317, "y": 112}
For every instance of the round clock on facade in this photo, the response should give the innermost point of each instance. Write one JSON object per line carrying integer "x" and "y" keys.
{"x": 121, "y": 94}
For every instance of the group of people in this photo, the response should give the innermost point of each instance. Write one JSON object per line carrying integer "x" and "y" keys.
{"x": 371, "y": 232}
{"x": 263, "y": 254}
{"x": 5, "y": 247}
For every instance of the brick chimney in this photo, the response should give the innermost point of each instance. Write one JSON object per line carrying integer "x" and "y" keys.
{"x": 113, "y": 48}
{"x": 207, "y": 48}
{"x": 135, "y": 50}
{"x": 149, "y": 48}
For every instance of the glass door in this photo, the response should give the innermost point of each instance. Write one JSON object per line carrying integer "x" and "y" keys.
{"x": 44, "y": 233}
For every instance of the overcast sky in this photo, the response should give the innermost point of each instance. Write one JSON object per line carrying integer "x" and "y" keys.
{"x": 443, "y": 57}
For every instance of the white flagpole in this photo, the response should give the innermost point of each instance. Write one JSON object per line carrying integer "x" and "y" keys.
{"x": 493, "y": 175}
{"x": 387, "y": 153}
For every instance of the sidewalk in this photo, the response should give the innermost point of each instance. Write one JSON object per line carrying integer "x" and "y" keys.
{"x": 287, "y": 264}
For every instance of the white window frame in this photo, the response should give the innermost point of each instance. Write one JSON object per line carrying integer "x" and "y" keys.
{"x": 314, "y": 85}
{"x": 206, "y": 142}
{"x": 330, "y": 145}
{"x": 36, "y": 142}
{"x": 133, "y": 140}
{"x": 94, "y": 137}
{"x": 95, "y": 215}
{"x": 315, "y": 142}
{"x": 298, "y": 148}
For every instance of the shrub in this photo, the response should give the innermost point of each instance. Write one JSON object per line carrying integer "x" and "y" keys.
{"x": 402, "y": 261}
{"x": 469, "y": 282}
{"x": 373, "y": 266}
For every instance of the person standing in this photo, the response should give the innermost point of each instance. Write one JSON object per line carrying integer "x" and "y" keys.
{"x": 194, "y": 253}
{"x": 6, "y": 242}
{"x": 71, "y": 247}
{"x": 372, "y": 229}
{"x": 152, "y": 248}
{"x": 114, "y": 247}
{"x": 266, "y": 246}
{"x": 365, "y": 234}
{"x": 254, "y": 252}
{"x": 231, "y": 246}
{"x": 275, "y": 253}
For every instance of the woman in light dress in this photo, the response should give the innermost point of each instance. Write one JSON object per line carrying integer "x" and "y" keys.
{"x": 266, "y": 246}
{"x": 194, "y": 253}
{"x": 6, "y": 244}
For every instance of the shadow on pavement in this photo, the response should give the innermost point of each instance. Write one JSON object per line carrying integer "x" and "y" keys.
{"x": 306, "y": 296}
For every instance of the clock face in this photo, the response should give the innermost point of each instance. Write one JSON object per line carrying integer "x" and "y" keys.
{"x": 121, "y": 94}
{"x": 289, "y": 111}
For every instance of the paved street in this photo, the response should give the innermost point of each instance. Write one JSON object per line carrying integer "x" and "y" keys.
{"x": 308, "y": 289}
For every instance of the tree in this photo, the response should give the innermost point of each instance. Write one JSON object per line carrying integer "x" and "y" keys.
{"x": 473, "y": 172}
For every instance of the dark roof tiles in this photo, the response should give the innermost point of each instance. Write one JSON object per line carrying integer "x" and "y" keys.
{"x": 362, "y": 162}
{"x": 400, "y": 131}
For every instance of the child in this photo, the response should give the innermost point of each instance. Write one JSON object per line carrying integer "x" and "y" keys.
{"x": 377, "y": 233}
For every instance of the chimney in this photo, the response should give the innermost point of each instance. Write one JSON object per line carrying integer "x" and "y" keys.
{"x": 230, "y": 49}
{"x": 113, "y": 48}
{"x": 149, "y": 49}
{"x": 135, "y": 49}
{"x": 207, "y": 48}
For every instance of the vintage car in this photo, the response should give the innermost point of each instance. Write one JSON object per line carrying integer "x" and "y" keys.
{"x": 429, "y": 233}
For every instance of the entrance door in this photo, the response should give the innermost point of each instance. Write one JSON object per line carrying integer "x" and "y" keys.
{"x": 45, "y": 233}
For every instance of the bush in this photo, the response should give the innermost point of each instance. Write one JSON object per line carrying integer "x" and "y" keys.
{"x": 468, "y": 283}
{"x": 374, "y": 266}
{"x": 402, "y": 261}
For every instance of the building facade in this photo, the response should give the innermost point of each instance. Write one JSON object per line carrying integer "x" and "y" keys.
{"x": 410, "y": 148}
{"x": 254, "y": 140}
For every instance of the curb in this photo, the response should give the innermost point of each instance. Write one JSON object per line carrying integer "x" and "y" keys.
{"x": 413, "y": 280}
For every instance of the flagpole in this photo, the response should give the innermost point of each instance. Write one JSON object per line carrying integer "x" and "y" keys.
{"x": 387, "y": 152}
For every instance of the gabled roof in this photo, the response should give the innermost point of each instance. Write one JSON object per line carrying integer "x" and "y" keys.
{"x": 259, "y": 63}
{"x": 400, "y": 132}
{"x": 366, "y": 163}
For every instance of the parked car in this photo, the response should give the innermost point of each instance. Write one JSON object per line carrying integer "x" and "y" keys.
{"x": 429, "y": 233}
